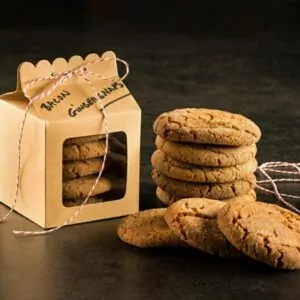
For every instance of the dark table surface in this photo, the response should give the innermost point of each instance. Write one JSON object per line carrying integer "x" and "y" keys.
{"x": 257, "y": 75}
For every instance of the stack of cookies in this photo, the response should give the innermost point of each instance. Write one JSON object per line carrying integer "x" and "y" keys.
{"x": 204, "y": 153}
{"x": 82, "y": 161}
{"x": 241, "y": 229}
{"x": 204, "y": 156}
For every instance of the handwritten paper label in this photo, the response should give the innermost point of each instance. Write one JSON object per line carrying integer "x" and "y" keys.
{"x": 50, "y": 104}
{"x": 74, "y": 110}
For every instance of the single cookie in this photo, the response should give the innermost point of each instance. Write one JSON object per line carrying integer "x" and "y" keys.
{"x": 183, "y": 171}
{"x": 83, "y": 139}
{"x": 168, "y": 199}
{"x": 84, "y": 151}
{"x": 218, "y": 191}
{"x": 207, "y": 155}
{"x": 265, "y": 232}
{"x": 206, "y": 126}
{"x": 164, "y": 197}
{"x": 80, "y": 168}
{"x": 79, "y": 201}
{"x": 80, "y": 187}
{"x": 194, "y": 221}
{"x": 147, "y": 229}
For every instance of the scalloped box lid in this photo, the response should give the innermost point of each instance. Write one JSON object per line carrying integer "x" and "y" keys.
{"x": 74, "y": 99}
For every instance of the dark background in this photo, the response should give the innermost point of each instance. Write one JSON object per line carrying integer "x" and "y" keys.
{"x": 176, "y": 16}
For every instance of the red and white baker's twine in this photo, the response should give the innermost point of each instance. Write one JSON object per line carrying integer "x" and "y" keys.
{"x": 57, "y": 80}
{"x": 280, "y": 168}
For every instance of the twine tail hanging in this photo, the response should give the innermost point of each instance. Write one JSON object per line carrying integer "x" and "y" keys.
{"x": 279, "y": 168}
{"x": 57, "y": 80}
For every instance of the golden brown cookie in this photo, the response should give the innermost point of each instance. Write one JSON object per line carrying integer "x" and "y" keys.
{"x": 168, "y": 199}
{"x": 79, "y": 201}
{"x": 207, "y": 155}
{"x": 183, "y": 171}
{"x": 206, "y": 126}
{"x": 84, "y": 151}
{"x": 80, "y": 187}
{"x": 194, "y": 221}
{"x": 80, "y": 168}
{"x": 265, "y": 232}
{"x": 147, "y": 229}
{"x": 83, "y": 139}
{"x": 164, "y": 197}
{"x": 218, "y": 191}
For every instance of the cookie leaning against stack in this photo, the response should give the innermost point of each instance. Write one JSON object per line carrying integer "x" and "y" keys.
{"x": 82, "y": 161}
{"x": 204, "y": 153}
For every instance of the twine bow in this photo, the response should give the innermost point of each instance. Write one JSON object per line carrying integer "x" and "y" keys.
{"x": 57, "y": 80}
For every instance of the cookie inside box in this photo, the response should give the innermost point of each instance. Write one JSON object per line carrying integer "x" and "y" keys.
{"x": 82, "y": 161}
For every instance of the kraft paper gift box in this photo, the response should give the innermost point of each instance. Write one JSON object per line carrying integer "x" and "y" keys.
{"x": 68, "y": 112}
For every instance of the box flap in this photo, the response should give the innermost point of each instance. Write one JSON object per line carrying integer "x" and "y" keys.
{"x": 73, "y": 89}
